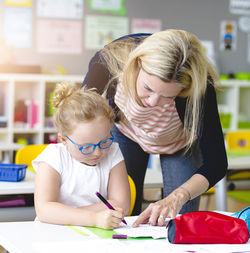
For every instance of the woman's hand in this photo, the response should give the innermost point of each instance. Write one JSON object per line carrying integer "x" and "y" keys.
{"x": 109, "y": 219}
{"x": 169, "y": 207}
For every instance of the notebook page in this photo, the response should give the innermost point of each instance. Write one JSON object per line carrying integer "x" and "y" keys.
{"x": 143, "y": 230}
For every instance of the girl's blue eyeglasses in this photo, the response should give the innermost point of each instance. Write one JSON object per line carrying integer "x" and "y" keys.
{"x": 90, "y": 148}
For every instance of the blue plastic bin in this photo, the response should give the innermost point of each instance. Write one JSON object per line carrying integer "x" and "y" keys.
{"x": 12, "y": 172}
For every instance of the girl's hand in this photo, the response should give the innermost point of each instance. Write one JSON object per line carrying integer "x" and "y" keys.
{"x": 109, "y": 219}
{"x": 157, "y": 212}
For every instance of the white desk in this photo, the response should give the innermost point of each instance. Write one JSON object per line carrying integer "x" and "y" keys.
{"x": 36, "y": 237}
{"x": 153, "y": 179}
{"x": 25, "y": 186}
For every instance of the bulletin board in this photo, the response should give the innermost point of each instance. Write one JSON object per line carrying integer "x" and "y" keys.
{"x": 61, "y": 36}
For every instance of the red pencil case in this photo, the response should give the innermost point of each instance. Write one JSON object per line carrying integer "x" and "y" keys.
{"x": 207, "y": 228}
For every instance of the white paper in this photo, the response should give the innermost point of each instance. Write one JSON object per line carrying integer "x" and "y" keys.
{"x": 72, "y": 9}
{"x": 145, "y": 25}
{"x": 106, "y": 4}
{"x": 101, "y": 30}
{"x": 209, "y": 47}
{"x": 240, "y": 7}
{"x": 248, "y": 49}
{"x": 59, "y": 36}
{"x": 144, "y": 230}
{"x": 228, "y": 31}
{"x": 244, "y": 23}
{"x": 17, "y": 27}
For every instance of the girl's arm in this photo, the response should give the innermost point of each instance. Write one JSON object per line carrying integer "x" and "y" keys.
{"x": 50, "y": 210}
{"x": 118, "y": 187}
{"x": 118, "y": 190}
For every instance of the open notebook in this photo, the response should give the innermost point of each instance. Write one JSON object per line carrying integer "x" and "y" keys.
{"x": 143, "y": 231}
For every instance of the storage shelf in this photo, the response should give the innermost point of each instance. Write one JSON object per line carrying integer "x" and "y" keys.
{"x": 17, "y": 90}
{"x": 17, "y": 214}
{"x": 233, "y": 96}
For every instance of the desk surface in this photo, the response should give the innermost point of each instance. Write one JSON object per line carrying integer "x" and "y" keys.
{"x": 25, "y": 186}
{"x": 36, "y": 237}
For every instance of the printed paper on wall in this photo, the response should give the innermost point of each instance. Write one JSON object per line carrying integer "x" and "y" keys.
{"x": 209, "y": 49}
{"x": 101, "y": 30}
{"x": 59, "y": 36}
{"x": 228, "y": 35}
{"x": 19, "y": 3}
{"x": 72, "y": 9}
{"x": 248, "y": 49}
{"x": 108, "y": 6}
{"x": 241, "y": 7}
{"x": 18, "y": 27}
{"x": 145, "y": 25}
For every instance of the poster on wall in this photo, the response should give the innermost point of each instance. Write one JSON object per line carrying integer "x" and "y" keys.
{"x": 72, "y": 9}
{"x": 241, "y": 7}
{"x": 248, "y": 49}
{"x": 116, "y": 7}
{"x": 209, "y": 50}
{"x": 101, "y": 30}
{"x": 228, "y": 31}
{"x": 18, "y": 3}
{"x": 145, "y": 25}
{"x": 18, "y": 27}
{"x": 244, "y": 24}
{"x": 59, "y": 36}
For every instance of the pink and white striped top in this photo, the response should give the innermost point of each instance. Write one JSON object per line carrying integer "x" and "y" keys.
{"x": 158, "y": 130}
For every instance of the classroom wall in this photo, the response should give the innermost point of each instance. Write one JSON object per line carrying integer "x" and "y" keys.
{"x": 200, "y": 17}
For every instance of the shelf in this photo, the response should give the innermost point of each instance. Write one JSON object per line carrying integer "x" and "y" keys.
{"x": 17, "y": 214}
{"x": 27, "y": 96}
{"x": 233, "y": 99}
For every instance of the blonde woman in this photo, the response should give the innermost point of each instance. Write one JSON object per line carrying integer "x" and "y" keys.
{"x": 85, "y": 162}
{"x": 161, "y": 88}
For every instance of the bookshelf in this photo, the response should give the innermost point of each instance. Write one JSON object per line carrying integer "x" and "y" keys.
{"x": 24, "y": 106}
{"x": 18, "y": 89}
{"x": 234, "y": 103}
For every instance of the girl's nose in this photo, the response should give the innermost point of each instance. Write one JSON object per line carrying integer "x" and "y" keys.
{"x": 97, "y": 151}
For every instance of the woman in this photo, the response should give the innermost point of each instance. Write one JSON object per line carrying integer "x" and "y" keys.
{"x": 161, "y": 87}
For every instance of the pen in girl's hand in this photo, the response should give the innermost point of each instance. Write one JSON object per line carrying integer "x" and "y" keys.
{"x": 107, "y": 204}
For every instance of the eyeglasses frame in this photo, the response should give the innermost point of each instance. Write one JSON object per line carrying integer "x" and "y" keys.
{"x": 94, "y": 145}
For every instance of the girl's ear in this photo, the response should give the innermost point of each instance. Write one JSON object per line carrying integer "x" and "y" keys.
{"x": 62, "y": 138}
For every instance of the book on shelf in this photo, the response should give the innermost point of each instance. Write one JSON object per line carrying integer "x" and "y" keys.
{"x": 32, "y": 113}
{"x": 26, "y": 114}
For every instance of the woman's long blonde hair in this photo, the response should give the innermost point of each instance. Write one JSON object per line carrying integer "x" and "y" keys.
{"x": 173, "y": 56}
{"x": 74, "y": 105}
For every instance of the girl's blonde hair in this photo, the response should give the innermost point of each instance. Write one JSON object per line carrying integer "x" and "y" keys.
{"x": 74, "y": 105}
{"x": 173, "y": 56}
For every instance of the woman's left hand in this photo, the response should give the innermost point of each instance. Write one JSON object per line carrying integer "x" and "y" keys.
{"x": 169, "y": 207}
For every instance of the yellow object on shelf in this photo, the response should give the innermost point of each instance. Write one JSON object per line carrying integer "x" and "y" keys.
{"x": 238, "y": 140}
{"x": 61, "y": 70}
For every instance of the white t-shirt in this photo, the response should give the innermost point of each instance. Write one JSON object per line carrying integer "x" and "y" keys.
{"x": 79, "y": 182}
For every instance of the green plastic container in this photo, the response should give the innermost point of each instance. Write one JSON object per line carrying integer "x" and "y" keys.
{"x": 225, "y": 119}
{"x": 224, "y": 77}
{"x": 242, "y": 76}
{"x": 244, "y": 125}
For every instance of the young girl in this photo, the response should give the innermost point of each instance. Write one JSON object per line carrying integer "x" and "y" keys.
{"x": 86, "y": 161}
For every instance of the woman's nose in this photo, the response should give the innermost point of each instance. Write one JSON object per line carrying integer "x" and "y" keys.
{"x": 154, "y": 100}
